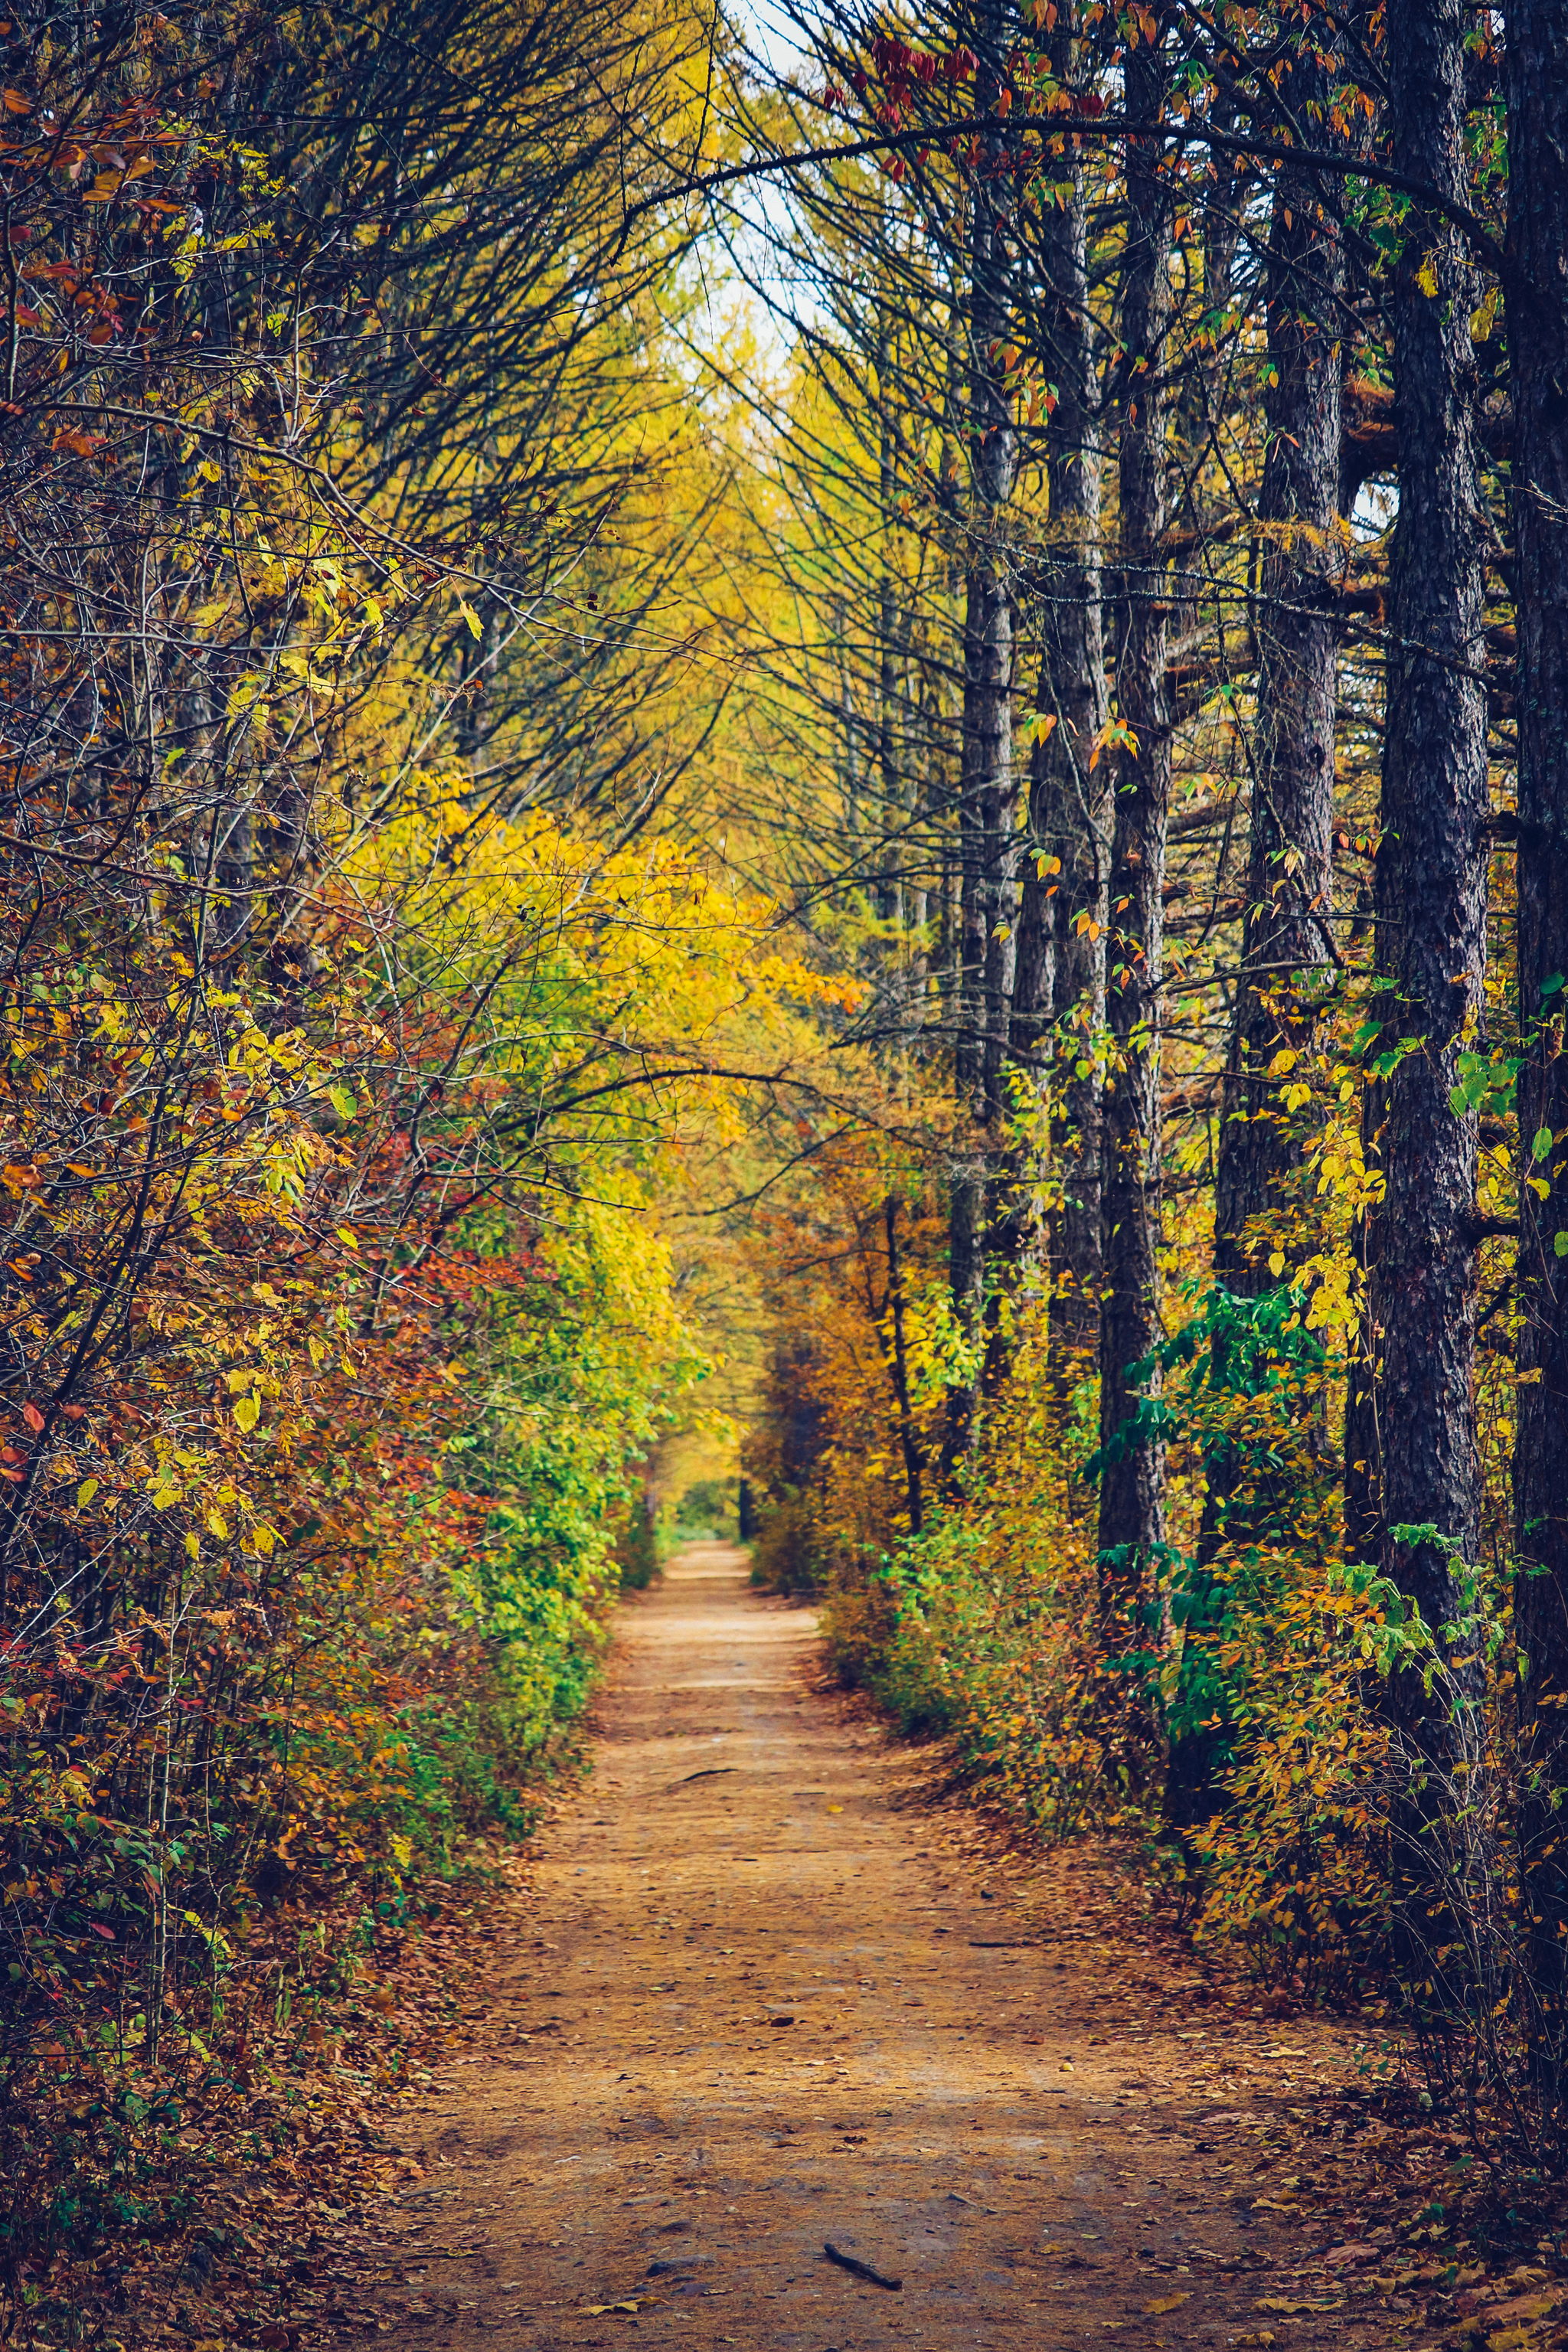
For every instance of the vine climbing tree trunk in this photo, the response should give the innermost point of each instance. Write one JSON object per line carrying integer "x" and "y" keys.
{"x": 1537, "y": 86}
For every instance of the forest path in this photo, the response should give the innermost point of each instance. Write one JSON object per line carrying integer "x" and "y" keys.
{"x": 756, "y": 2002}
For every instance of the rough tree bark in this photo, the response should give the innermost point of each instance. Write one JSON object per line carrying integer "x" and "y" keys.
{"x": 1131, "y": 1491}
{"x": 1430, "y": 904}
{"x": 1060, "y": 977}
{"x": 1537, "y": 87}
{"x": 987, "y": 787}
{"x": 1284, "y": 940}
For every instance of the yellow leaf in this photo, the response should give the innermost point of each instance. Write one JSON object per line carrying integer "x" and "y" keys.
{"x": 1163, "y": 2302}
{"x": 192, "y": 1544}
{"x": 247, "y": 1412}
{"x": 85, "y": 1493}
{"x": 1426, "y": 279}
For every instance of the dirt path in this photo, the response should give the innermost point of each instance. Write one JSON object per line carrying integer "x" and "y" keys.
{"x": 760, "y": 2004}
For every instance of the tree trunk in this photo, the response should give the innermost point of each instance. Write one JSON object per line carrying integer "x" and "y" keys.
{"x": 986, "y": 809}
{"x": 892, "y": 733}
{"x": 1537, "y": 84}
{"x": 1060, "y": 982}
{"x": 1131, "y": 1493}
{"x": 908, "y": 1439}
{"x": 1289, "y": 883}
{"x": 1060, "y": 966}
{"x": 1285, "y": 947}
{"x": 1431, "y": 906}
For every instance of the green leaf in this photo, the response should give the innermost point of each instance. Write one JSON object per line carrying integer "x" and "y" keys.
{"x": 1550, "y": 987}
{"x": 1540, "y": 1143}
{"x": 1560, "y": 1243}
{"x": 343, "y": 1100}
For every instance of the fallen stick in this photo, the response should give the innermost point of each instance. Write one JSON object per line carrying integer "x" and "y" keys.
{"x": 861, "y": 2270}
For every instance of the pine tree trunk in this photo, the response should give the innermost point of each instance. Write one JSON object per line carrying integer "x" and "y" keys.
{"x": 987, "y": 786}
{"x": 1060, "y": 981}
{"x": 908, "y": 1438}
{"x": 1285, "y": 936}
{"x": 1131, "y": 1493}
{"x": 1289, "y": 882}
{"x": 1537, "y": 84}
{"x": 1431, "y": 905}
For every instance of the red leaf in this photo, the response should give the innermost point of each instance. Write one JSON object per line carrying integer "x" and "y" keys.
{"x": 33, "y": 1417}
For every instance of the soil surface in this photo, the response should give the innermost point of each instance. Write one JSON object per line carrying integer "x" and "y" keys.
{"x": 766, "y": 1993}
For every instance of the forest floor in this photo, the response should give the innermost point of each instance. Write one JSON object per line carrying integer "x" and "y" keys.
{"x": 763, "y": 1988}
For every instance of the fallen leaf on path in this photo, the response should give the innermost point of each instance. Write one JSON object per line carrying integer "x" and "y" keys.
{"x": 1522, "y": 2307}
{"x": 1163, "y": 2302}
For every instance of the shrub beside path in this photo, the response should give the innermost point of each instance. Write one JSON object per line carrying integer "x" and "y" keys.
{"x": 766, "y": 1994}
